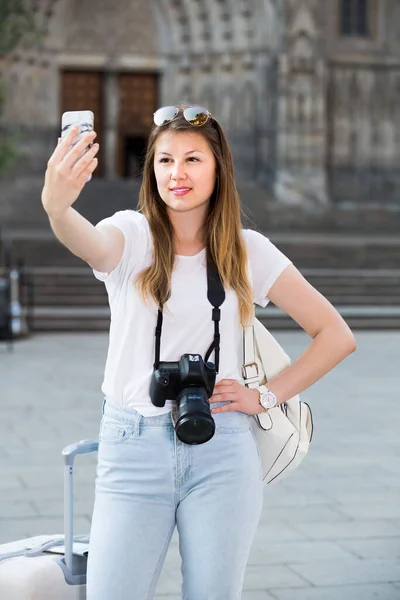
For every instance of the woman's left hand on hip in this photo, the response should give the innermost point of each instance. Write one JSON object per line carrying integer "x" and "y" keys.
{"x": 240, "y": 398}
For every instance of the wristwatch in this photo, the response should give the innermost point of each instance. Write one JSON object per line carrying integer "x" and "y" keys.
{"x": 267, "y": 398}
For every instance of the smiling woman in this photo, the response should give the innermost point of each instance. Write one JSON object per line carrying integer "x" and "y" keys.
{"x": 182, "y": 272}
{"x": 189, "y": 150}
{"x": 186, "y": 173}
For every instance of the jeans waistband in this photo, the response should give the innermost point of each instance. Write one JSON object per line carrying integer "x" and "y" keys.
{"x": 132, "y": 417}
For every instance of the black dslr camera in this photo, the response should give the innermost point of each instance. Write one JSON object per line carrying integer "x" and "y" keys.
{"x": 190, "y": 381}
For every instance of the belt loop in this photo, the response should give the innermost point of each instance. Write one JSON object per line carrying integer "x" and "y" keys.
{"x": 137, "y": 425}
{"x": 102, "y": 408}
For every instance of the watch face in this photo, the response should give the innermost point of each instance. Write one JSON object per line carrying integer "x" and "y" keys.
{"x": 268, "y": 399}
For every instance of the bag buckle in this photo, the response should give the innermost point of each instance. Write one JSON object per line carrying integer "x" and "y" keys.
{"x": 250, "y": 373}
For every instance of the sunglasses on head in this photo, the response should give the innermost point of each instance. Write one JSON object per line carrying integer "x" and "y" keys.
{"x": 195, "y": 115}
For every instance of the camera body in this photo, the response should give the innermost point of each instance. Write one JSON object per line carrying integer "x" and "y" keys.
{"x": 172, "y": 377}
{"x": 190, "y": 381}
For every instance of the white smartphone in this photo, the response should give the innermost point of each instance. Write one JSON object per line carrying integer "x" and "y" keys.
{"x": 85, "y": 120}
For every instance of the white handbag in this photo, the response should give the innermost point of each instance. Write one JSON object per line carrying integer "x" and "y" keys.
{"x": 283, "y": 433}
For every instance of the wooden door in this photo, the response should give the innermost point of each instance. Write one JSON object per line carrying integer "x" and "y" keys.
{"x": 138, "y": 98}
{"x": 83, "y": 90}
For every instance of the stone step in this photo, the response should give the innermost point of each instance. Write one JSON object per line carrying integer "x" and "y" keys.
{"x": 64, "y": 283}
{"x": 70, "y": 300}
{"x": 60, "y": 290}
{"x": 341, "y": 297}
{"x": 78, "y": 287}
{"x": 85, "y": 286}
{"x": 97, "y": 319}
{"x": 309, "y": 252}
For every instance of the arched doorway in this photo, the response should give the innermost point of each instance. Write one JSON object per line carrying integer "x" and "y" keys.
{"x": 114, "y": 74}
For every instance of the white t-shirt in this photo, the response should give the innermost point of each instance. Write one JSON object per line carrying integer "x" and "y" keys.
{"x": 187, "y": 316}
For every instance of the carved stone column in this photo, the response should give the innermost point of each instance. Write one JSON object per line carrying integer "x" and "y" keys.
{"x": 301, "y": 136}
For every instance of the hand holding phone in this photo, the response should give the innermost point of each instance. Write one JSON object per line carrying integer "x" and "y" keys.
{"x": 70, "y": 166}
{"x": 84, "y": 119}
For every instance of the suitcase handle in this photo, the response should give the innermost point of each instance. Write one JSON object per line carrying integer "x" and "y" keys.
{"x": 69, "y": 453}
{"x": 82, "y": 447}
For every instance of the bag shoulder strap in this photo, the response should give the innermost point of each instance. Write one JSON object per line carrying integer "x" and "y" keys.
{"x": 250, "y": 371}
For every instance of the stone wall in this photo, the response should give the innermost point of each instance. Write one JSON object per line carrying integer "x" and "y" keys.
{"x": 301, "y": 174}
{"x": 110, "y": 29}
{"x": 310, "y": 114}
{"x": 363, "y": 108}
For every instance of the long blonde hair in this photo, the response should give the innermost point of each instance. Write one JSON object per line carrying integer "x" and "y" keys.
{"x": 222, "y": 230}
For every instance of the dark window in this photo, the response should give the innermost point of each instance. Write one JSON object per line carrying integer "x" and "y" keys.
{"x": 354, "y": 18}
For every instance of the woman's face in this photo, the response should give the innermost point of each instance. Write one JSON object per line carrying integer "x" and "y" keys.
{"x": 185, "y": 170}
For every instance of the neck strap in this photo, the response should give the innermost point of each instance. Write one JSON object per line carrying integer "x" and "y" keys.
{"x": 216, "y": 296}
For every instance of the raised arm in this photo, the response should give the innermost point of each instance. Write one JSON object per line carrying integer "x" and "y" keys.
{"x": 66, "y": 174}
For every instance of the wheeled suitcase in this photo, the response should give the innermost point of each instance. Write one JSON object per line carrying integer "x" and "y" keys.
{"x": 50, "y": 567}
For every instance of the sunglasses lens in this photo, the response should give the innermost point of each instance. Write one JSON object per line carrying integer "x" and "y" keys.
{"x": 196, "y": 115}
{"x": 165, "y": 115}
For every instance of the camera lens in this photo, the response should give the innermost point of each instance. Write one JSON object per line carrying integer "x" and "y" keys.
{"x": 195, "y": 431}
{"x": 194, "y": 424}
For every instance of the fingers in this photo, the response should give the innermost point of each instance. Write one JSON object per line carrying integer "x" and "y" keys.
{"x": 226, "y": 385}
{"x": 64, "y": 150}
{"x": 85, "y": 160}
{"x": 64, "y": 143}
{"x": 74, "y": 154}
{"x": 224, "y": 408}
{"x": 87, "y": 164}
{"x": 224, "y": 398}
{"x": 86, "y": 174}
{"x": 222, "y": 390}
{"x": 226, "y": 382}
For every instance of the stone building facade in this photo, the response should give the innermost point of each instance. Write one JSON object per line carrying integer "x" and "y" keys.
{"x": 307, "y": 90}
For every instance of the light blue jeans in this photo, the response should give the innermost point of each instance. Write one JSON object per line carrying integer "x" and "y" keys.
{"x": 148, "y": 482}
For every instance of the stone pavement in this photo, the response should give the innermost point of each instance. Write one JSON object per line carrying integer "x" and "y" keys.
{"x": 329, "y": 532}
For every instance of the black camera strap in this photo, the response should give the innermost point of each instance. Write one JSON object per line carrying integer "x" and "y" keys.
{"x": 216, "y": 296}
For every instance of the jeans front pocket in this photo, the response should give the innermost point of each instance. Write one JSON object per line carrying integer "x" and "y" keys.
{"x": 113, "y": 431}
{"x": 231, "y": 422}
